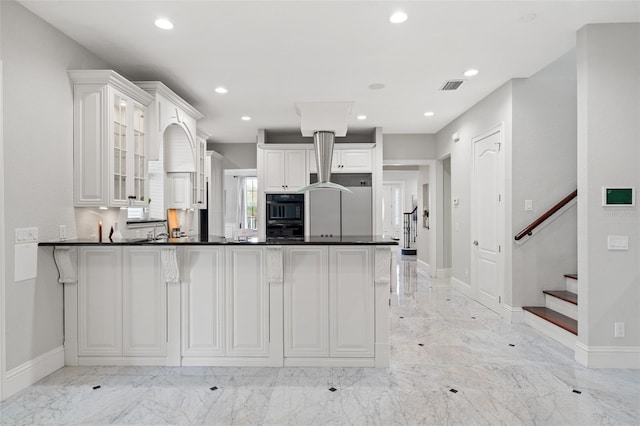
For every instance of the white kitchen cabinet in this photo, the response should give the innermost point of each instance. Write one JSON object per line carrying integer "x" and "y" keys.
{"x": 99, "y": 301}
{"x": 144, "y": 303}
{"x": 122, "y": 303}
{"x": 187, "y": 190}
{"x": 306, "y": 299}
{"x": 168, "y": 109}
{"x": 178, "y": 190}
{"x": 247, "y": 302}
{"x": 351, "y": 301}
{"x": 203, "y": 302}
{"x": 285, "y": 170}
{"x": 345, "y": 161}
{"x": 110, "y": 140}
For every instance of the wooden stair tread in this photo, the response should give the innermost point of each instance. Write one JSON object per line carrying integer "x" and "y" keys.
{"x": 554, "y": 317}
{"x": 572, "y": 276}
{"x": 567, "y": 296}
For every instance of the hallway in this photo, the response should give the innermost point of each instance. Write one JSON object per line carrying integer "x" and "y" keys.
{"x": 452, "y": 362}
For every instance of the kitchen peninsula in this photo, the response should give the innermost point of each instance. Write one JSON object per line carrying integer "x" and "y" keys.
{"x": 218, "y": 302}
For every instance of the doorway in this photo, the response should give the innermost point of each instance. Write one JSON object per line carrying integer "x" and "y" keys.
{"x": 392, "y": 208}
{"x": 487, "y": 212}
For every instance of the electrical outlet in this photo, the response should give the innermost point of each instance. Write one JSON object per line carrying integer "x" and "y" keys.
{"x": 618, "y": 329}
{"x": 63, "y": 232}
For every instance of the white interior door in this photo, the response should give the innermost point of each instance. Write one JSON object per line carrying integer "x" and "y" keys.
{"x": 392, "y": 202}
{"x": 486, "y": 212}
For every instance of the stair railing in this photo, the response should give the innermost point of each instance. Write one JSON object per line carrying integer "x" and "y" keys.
{"x": 410, "y": 232}
{"x": 546, "y": 215}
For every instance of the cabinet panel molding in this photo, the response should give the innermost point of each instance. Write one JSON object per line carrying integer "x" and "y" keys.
{"x": 203, "y": 302}
{"x": 144, "y": 303}
{"x": 306, "y": 299}
{"x": 99, "y": 301}
{"x": 247, "y": 294}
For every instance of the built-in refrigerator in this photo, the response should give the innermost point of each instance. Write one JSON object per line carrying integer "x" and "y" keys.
{"x": 336, "y": 213}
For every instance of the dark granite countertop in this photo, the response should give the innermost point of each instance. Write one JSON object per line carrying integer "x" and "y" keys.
{"x": 217, "y": 240}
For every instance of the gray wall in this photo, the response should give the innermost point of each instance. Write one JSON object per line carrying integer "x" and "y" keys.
{"x": 486, "y": 114}
{"x": 423, "y": 243}
{"x": 38, "y": 164}
{"x": 236, "y": 155}
{"x": 544, "y": 171}
{"x": 608, "y": 154}
{"x": 446, "y": 213}
{"x": 409, "y": 147}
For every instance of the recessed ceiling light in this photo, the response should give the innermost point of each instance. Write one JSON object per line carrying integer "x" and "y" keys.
{"x": 164, "y": 24}
{"x": 245, "y": 118}
{"x": 398, "y": 17}
{"x": 362, "y": 117}
{"x": 428, "y": 114}
{"x": 221, "y": 90}
{"x": 470, "y": 72}
{"x": 376, "y": 86}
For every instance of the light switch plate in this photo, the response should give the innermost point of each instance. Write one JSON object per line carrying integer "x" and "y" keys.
{"x": 618, "y": 242}
{"x": 26, "y": 235}
{"x": 528, "y": 205}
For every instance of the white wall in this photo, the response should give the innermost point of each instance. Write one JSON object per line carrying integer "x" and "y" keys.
{"x": 236, "y": 155}
{"x": 544, "y": 171}
{"x": 38, "y": 163}
{"x": 486, "y": 114}
{"x": 608, "y": 154}
{"x": 408, "y": 146}
{"x": 2, "y": 233}
{"x": 410, "y": 179}
{"x": 423, "y": 243}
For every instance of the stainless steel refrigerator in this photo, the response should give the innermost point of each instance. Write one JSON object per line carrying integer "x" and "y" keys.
{"x": 336, "y": 213}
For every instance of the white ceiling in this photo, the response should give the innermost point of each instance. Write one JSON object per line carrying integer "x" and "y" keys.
{"x": 272, "y": 54}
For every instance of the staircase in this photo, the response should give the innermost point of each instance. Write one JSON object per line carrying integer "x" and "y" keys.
{"x": 558, "y": 319}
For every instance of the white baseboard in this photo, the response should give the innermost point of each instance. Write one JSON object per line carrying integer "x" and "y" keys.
{"x": 512, "y": 315}
{"x": 424, "y": 265}
{"x": 550, "y": 330}
{"x": 329, "y": 362}
{"x": 627, "y": 357}
{"x": 95, "y": 361}
{"x": 461, "y": 286}
{"x": 194, "y": 361}
{"x": 443, "y": 273}
{"x": 26, "y": 374}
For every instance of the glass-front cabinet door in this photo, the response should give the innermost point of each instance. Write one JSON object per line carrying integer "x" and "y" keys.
{"x": 139, "y": 155}
{"x": 119, "y": 149}
{"x": 129, "y": 152}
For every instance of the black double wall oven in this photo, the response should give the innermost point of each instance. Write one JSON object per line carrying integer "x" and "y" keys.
{"x": 285, "y": 216}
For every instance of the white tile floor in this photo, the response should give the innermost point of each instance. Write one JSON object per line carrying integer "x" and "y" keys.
{"x": 452, "y": 362}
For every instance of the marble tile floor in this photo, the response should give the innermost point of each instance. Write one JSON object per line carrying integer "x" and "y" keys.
{"x": 453, "y": 362}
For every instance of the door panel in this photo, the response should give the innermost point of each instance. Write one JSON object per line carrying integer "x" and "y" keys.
{"x": 247, "y": 292}
{"x": 306, "y": 298}
{"x": 351, "y": 300}
{"x": 144, "y": 303}
{"x": 203, "y": 302}
{"x": 100, "y": 301}
{"x": 487, "y": 214}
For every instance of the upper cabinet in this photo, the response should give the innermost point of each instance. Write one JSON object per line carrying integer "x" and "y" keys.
{"x": 345, "y": 160}
{"x": 110, "y": 140}
{"x": 169, "y": 109}
{"x": 285, "y": 170}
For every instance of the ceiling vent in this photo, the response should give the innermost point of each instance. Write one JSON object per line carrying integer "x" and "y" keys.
{"x": 451, "y": 84}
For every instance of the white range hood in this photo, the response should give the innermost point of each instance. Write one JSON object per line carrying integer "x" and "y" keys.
{"x": 324, "y": 121}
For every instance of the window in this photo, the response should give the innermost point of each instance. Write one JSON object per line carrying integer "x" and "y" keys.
{"x": 251, "y": 197}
